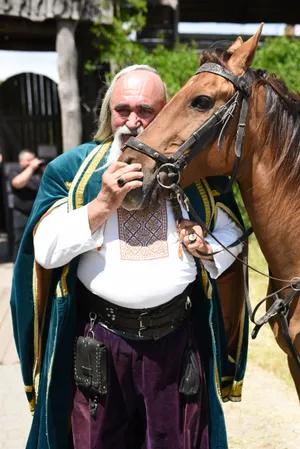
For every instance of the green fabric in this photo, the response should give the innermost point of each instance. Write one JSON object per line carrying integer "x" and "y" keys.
{"x": 57, "y": 323}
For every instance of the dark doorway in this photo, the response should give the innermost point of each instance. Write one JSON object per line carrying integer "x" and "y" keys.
{"x": 29, "y": 114}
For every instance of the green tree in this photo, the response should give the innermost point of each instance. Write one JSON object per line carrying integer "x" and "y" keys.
{"x": 115, "y": 44}
{"x": 281, "y": 56}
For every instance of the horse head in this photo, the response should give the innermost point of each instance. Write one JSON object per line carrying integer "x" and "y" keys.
{"x": 183, "y": 137}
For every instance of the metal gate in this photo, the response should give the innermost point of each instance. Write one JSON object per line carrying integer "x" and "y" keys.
{"x": 29, "y": 114}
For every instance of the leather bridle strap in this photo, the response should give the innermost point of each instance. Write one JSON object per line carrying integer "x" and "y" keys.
{"x": 279, "y": 307}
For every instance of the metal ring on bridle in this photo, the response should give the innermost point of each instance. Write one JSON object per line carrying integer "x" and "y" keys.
{"x": 296, "y": 289}
{"x": 176, "y": 171}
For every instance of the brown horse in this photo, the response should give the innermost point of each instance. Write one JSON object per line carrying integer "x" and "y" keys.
{"x": 269, "y": 169}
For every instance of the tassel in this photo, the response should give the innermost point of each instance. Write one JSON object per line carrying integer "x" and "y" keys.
{"x": 190, "y": 376}
{"x": 179, "y": 250}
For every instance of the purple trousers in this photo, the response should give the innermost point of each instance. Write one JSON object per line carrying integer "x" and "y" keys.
{"x": 143, "y": 408}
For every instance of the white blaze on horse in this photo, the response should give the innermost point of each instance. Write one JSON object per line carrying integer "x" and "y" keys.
{"x": 229, "y": 119}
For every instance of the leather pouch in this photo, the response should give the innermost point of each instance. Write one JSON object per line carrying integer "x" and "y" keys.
{"x": 91, "y": 365}
{"x": 190, "y": 375}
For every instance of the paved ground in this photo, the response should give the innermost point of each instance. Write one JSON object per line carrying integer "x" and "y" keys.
{"x": 14, "y": 412}
{"x": 267, "y": 418}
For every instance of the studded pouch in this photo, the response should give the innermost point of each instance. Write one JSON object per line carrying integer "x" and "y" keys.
{"x": 91, "y": 365}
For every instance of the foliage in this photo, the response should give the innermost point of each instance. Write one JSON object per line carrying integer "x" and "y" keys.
{"x": 115, "y": 41}
{"x": 281, "y": 55}
{"x": 174, "y": 66}
{"x": 114, "y": 44}
{"x": 240, "y": 203}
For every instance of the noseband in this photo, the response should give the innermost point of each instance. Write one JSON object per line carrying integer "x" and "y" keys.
{"x": 204, "y": 135}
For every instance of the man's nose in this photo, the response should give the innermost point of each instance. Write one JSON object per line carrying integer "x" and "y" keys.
{"x": 133, "y": 121}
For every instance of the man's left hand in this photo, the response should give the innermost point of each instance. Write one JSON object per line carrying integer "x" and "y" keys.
{"x": 191, "y": 235}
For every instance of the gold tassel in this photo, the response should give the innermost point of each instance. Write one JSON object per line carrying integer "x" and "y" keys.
{"x": 179, "y": 250}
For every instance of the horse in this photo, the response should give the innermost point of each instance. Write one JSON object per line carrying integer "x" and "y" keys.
{"x": 259, "y": 138}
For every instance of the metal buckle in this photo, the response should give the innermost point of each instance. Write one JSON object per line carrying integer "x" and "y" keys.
{"x": 188, "y": 303}
{"x": 93, "y": 317}
{"x": 142, "y": 326}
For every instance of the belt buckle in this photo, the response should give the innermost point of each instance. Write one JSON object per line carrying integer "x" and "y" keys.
{"x": 188, "y": 303}
{"x": 142, "y": 326}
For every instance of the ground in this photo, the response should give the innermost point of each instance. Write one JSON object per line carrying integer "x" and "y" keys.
{"x": 268, "y": 416}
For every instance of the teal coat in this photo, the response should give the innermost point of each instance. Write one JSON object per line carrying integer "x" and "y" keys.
{"x": 43, "y": 306}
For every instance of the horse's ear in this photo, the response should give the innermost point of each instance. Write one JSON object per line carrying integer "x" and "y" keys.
{"x": 243, "y": 55}
{"x": 233, "y": 47}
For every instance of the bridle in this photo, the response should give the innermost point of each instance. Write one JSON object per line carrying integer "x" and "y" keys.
{"x": 175, "y": 164}
{"x": 204, "y": 135}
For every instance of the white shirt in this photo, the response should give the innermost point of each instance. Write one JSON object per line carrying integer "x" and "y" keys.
{"x": 124, "y": 271}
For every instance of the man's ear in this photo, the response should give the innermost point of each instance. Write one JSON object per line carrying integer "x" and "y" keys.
{"x": 243, "y": 54}
{"x": 233, "y": 47}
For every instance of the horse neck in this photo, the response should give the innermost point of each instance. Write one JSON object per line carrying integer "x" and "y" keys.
{"x": 270, "y": 204}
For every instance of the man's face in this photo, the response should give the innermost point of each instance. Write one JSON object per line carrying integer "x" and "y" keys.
{"x": 137, "y": 98}
{"x": 26, "y": 159}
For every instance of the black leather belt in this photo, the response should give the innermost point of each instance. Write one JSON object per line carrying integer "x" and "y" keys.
{"x": 135, "y": 324}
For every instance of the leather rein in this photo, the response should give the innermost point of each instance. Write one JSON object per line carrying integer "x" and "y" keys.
{"x": 175, "y": 164}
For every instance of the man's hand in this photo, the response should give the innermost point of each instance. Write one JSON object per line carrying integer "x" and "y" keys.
{"x": 190, "y": 228}
{"x": 35, "y": 163}
{"x": 112, "y": 192}
{"x": 20, "y": 181}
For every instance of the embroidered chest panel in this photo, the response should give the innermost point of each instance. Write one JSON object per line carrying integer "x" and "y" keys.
{"x": 143, "y": 234}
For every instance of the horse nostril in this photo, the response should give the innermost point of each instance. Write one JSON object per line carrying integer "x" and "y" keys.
{"x": 128, "y": 160}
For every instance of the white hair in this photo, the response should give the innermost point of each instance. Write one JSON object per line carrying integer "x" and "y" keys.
{"x": 23, "y": 153}
{"x": 104, "y": 122}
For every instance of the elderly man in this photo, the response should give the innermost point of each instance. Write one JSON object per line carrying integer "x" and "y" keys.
{"x": 125, "y": 282}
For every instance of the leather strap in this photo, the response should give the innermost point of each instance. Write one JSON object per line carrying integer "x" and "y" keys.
{"x": 135, "y": 324}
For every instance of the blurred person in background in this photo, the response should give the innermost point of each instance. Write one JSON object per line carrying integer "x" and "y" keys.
{"x": 25, "y": 181}
{"x": 2, "y": 222}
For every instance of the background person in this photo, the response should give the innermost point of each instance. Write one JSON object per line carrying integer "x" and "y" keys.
{"x": 25, "y": 181}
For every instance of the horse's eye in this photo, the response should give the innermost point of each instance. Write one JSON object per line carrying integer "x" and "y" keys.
{"x": 202, "y": 103}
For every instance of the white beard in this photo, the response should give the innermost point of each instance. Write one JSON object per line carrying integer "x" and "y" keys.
{"x": 115, "y": 149}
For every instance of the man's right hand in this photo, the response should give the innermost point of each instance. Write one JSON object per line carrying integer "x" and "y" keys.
{"x": 112, "y": 193}
{"x": 35, "y": 163}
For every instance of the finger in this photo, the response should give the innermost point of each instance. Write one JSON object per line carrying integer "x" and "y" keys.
{"x": 186, "y": 223}
{"x": 189, "y": 243}
{"x": 115, "y": 166}
{"x": 131, "y": 186}
{"x": 127, "y": 177}
{"x": 127, "y": 169}
{"x": 186, "y": 232}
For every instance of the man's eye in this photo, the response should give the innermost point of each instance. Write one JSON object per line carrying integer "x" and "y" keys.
{"x": 123, "y": 112}
{"x": 145, "y": 112}
{"x": 202, "y": 103}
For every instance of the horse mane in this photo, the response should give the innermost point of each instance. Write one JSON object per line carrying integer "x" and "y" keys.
{"x": 282, "y": 108}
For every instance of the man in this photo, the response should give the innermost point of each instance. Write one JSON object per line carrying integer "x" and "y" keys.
{"x": 2, "y": 217}
{"x": 25, "y": 181}
{"x": 146, "y": 371}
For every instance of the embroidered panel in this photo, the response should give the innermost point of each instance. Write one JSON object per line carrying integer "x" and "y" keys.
{"x": 143, "y": 234}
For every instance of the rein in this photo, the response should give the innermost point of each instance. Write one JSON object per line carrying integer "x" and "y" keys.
{"x": 175, "y": 164}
